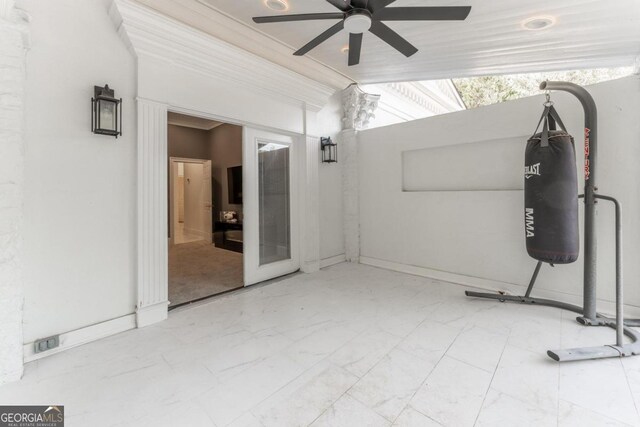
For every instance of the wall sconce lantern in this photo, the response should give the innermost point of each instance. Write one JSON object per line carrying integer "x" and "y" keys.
{"x": 329, "y": 150}
{"x": 106, "y": 114}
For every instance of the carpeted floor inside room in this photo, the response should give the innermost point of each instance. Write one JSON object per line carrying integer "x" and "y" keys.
{"x": 199, "y": 269}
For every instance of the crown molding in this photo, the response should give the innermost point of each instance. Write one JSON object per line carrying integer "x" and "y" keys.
{"x": 150, "y": 33}
{"x": 204, "y": 16}
{"x": 416, "y": 100}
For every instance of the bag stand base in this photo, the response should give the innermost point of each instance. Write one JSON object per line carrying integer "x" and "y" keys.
{"x": 582, "y": 353}
{"x": 587, "y": 353}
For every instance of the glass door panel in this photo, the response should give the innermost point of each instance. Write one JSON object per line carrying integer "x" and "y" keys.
{"x": 274, "y": 202}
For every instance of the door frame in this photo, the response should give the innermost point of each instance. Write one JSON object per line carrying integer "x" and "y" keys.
{"x": 173, "y": 161}
{"x": 253, "y": 271}
{"x": 152, "y": 213}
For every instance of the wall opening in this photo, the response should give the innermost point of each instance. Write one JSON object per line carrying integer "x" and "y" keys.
{"x": 205, "y": 208}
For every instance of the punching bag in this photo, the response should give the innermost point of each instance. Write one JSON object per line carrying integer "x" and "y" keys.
{"x": 551, "y": 193}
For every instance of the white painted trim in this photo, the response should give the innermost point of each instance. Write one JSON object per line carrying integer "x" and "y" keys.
{"x": 348, "y": 143}
{"x": 309, "y": 196}
{"x": 328, "y": 262}
{"x": 606, "y": 307}
{"x": 152, "y": 203}
{"x": 233, "y": 121}
{"x": 188, "y": 160}
{"x": 173, "y": 166}
{"x": 152, "y": 314}
{"x": 83, "y": 336}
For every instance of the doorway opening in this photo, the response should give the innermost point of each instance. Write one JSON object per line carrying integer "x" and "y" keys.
{"x": 206, "y": 241}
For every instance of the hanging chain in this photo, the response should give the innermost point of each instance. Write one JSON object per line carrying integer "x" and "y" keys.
{"x": 547, "y": 95}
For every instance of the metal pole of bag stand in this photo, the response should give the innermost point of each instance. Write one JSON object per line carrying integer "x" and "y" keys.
{"x": 589, "y": 314}
{"x": 590, "y": 156}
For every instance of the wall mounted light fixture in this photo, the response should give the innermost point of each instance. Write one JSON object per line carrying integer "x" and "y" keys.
{"x": 329, "y": 150}
{"x": 106, "y": 112}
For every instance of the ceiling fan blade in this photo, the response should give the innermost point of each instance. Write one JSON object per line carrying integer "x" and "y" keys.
{"x": 341, "y": 4}
{"x": 322, "y": 37}
{"x": 298, "y": 17}
{"x": 375, "y": 5}
{"x": 453, "y": 13}
{"x": 355, "y": 46}
{"x": 392, "y": 38}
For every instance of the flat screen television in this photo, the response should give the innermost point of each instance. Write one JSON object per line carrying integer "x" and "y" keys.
{"x": 234, "y": 183}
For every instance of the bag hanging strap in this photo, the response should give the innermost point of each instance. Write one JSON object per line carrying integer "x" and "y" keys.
{"x": 553, "y": 116}
{"x": 551, "y": 119}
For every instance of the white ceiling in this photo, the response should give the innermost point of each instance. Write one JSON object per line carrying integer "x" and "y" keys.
{"x": 587, "y": 34}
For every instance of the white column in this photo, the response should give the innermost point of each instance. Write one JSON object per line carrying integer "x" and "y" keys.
{"x": 358, "y": 108}
{"x": 310, "y": 218}
{"x": 348, "y": 145}
{"x": 13, "y": 48}
{"x": 152, "y": 213}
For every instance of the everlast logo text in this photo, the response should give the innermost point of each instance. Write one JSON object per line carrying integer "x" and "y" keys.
{"x": 529, "y": 171}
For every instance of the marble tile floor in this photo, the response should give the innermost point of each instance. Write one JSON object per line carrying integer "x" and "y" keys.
{"x": 350, "y": 345}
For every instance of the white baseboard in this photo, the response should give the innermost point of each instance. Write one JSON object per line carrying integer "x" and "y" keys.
{"x": 152, "y": 314}
{"x": 604, "y": 306}
{"x": 328, "y": 262}
{"x": 83, "y": 336}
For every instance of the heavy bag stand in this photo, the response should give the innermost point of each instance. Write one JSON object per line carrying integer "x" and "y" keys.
{"x": 590, "y": 317}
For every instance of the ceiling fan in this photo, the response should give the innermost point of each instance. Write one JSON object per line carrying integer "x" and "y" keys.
{"x": 358, "y": 16}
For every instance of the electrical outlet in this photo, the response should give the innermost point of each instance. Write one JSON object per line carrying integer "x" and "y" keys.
{"x": 48, "y": 343}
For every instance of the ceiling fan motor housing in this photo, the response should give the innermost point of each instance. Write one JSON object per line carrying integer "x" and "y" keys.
{"x": 357, "y": 21}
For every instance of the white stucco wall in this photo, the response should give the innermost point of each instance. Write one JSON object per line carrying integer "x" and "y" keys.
{"x": 479, "y": 234}
{"x": 13, "y": 33}
{"x": 80, "y": 200}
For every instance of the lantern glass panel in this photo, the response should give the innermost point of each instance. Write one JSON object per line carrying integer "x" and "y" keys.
{"x": 107, "y": 115}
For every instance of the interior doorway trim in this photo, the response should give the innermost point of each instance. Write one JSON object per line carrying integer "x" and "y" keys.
{"x": 172, "y": 217}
